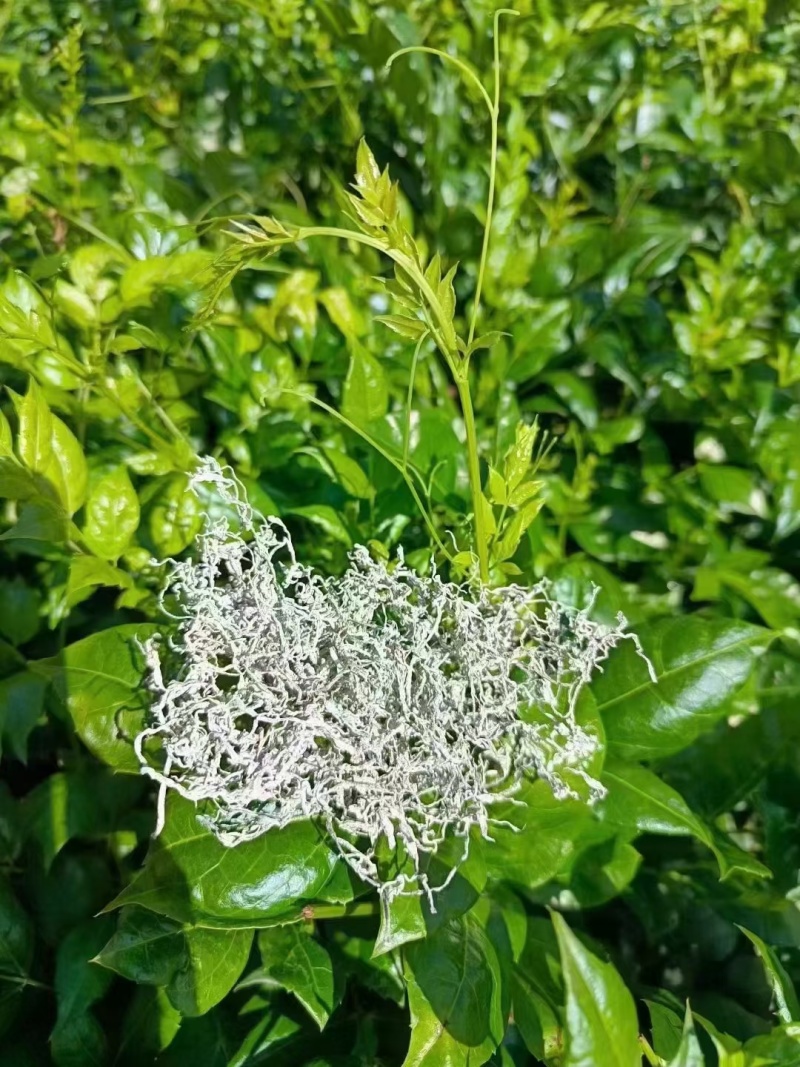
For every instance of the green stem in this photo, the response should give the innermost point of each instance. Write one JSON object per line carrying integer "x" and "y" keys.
{"x": 494, "y": 112}
{"x": 338, "y": 911}
{"x": 409, "y": 398}
{"x": 474, "y": 464}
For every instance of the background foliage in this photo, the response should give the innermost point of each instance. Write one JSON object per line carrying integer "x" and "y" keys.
{"x": 643, "y": 273}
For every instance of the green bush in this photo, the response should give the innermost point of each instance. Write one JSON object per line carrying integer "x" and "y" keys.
{"x": 640, "y": 313}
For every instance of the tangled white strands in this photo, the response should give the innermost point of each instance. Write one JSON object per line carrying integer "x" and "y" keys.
{"x": 390, "y": 707}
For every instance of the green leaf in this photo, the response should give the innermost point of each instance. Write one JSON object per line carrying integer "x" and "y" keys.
{"x": 67, "y": 467}
{"x": 78, "y": 1039}
{"x": 149, "y": 1026}
{"x": 21, "y": 708}
{"x": 327, "y": 519}
{"x": 699, "y": 663}
{"x": 518, "y": 458}
{"x": 367, "y": 170}
{"x": 35, "y": 436}
{"x": 515, "y": 527}
{"x": 6, "y": 437}
{"x": 667, "y": 1029}
{"x": 366, "y": 392}
{"x": 100, "y": 679}
{"x": 193, "y": 878}
{"x": 411, "y": 329}
{"x": 20, "y": 607}
{"x": 537, "y": 991}
{"x": 86, "y": 573}
{"x": 455, "y": 996}
{"x": 787, "y": 1007}
{"x": 548, "y": 834}
{"x": 198, "y": 967}
{"x": 82, "y": 803}
{"x": 174, "y": 516}
{"x": 16, "y": 935}
{"x": 497, "y": 487}
{"x": 350, "y": 475}
{"x": 298, "y": 963}
{"x": 39, "y": 520}
{"x": 601, "y": 1025}
{"x": 689, "y": 1053}
{"x": 639, "y": 801}
{"x": 112, "y": 515}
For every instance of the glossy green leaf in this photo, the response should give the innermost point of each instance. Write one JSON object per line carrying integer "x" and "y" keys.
{"x": 326, "y": 519}
{"x": 174, "y": 516}
{"x": 35, "y": 436}
{"x": 600, "y": 1016}
{"x": 112, "y": 515}
{"x": 667, "y": 1027}
{"x": 66, "y": 469}
{"x": 197, "y": 966}
{"x": 454, "y": 993}
{"x": 191, "y": 877}
{"x": 699, "y": 664}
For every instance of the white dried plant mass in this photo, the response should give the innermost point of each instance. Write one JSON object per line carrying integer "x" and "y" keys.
{"x": 393, "y": 709}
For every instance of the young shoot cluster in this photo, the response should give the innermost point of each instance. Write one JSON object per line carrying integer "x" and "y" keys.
{"x": 392, "y": 709}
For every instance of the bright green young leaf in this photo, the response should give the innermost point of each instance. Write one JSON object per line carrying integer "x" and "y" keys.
{"x": 600, "y": 1016}
{"x": 454, "y": 992}
{"x": 66, "y": 469}
{"x": 197, "y": 966}
{"x": 191, "y": 877}
{"x": 86, "y": 573}
{"x": 366, "y": 393}
{"x": 112, "y": 515}
{"x": 298, "y": 963}
{"x": 699, "y": 664}
{"x": 689, "y": 1053}
{"x": 174, "y": 516}
{"x": 35, "y": 436}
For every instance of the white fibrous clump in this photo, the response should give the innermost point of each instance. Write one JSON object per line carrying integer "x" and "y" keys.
{"x": 393, "y": 709}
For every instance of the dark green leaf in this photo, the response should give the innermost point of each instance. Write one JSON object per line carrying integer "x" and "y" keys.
{"x": 193, "y": 878}
{"x": 297, "y": 962}
{"x": 454, "y": 993}
{"x": 197, "y": 966}
{"x": 699, "y": 664}
{"x": 101, "y": 681}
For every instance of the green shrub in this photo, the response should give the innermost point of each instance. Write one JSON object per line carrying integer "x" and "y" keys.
{"x": 603, "y": 398}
